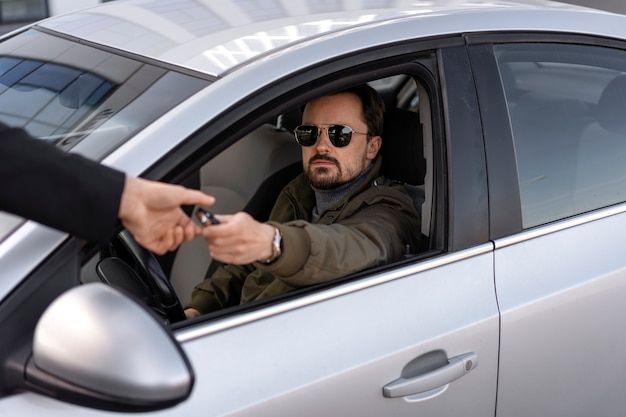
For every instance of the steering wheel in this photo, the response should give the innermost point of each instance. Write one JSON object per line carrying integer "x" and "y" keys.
{"x": 147, "y": 269}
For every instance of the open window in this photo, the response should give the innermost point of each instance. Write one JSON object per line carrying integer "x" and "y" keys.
{"x": 253, "y": 166}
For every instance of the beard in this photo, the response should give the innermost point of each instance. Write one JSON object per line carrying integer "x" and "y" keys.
{"x": 329, "y": 177}
{"x": 324, "y": 178}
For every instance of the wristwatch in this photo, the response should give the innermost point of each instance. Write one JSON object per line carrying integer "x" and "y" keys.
{"x": 277, "y": 247}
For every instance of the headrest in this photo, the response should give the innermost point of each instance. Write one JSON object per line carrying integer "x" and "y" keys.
{"x": 402, "y": 149}
{"x": 509, "y": 82}
{"x": 290, "y": 120}
{"x": 610, "y": 114}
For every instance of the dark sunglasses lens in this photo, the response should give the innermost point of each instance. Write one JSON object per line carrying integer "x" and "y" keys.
{"x": 339, "y": 135}
{"x": 306, "y": 135}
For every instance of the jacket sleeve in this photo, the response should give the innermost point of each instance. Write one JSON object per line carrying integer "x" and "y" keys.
{"x": 374, "y": 234}
{"x": 221, "y": 290}
{"x": 61, "y": 190}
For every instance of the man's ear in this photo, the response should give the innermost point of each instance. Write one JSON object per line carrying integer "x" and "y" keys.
{"x": 373, "y": 146}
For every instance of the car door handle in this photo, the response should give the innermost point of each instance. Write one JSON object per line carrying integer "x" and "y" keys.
{"x": 453, "y": 370}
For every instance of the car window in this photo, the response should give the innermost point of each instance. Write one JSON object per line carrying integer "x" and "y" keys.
{"x": 566, "y": 105}
{"x": 79, "y": 98}
{"x": 66, "y": 93}
{"x": 249, "y": 174}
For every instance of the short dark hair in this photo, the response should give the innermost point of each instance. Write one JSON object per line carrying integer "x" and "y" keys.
{"x": 373, "y": 107}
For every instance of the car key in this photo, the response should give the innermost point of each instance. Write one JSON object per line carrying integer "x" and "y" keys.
{"x": 203, "y": 217}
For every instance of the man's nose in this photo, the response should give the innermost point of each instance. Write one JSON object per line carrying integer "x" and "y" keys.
{"x": 323, "y": 141}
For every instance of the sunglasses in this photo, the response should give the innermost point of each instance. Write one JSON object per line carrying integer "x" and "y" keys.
{"x": 339, "y": 135}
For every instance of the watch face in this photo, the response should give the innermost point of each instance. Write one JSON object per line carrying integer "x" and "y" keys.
{"x": 277, "y": 245}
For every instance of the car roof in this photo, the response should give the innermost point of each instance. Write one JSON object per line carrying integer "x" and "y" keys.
{"x": 217, "y": 37}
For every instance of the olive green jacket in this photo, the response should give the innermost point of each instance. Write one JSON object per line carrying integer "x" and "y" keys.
{"x": 372, "y": 225}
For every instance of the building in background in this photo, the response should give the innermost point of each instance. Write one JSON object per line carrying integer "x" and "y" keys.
{"x": 16, "y": 13}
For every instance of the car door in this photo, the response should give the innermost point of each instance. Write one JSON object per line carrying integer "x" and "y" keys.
{"x": 333, "y": 353}
{"x": 336, "y": 352}
{"x": 559, "y": 264}
{"x": 417, "y": 337}
{"x": 420, "y": 338}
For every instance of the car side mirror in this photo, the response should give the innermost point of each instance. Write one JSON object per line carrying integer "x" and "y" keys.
{"x": 96, "y": 347}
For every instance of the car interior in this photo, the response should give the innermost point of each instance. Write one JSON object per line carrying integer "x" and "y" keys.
{"x": 576, "y": 122}
{"x": 249, "y": 175}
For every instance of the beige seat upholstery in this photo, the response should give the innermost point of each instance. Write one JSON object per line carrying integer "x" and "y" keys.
{"x": 233, "y": 177}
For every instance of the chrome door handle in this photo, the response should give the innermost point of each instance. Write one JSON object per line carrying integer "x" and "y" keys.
{"x": 456, "y": 368}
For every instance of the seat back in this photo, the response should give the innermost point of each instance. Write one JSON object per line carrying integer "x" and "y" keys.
{"x": 403, "y": 160}
{"x": 610, "y": 110}
{"x": 266, "y": 155}
{"x": 403, "y": 148}
{"x": 601, "y": 164}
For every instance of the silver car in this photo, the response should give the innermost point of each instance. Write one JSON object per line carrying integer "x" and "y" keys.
{"x": 506, "y": 122}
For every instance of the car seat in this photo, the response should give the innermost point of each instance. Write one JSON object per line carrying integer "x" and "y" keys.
{"x": 547, "y": 129}
{"x": 601, "y": 167}
{"x": 403, "y": 158}
{"x": 267, "y": 155}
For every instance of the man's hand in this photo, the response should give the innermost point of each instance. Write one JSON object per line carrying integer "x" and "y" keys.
{"x": 191, "y": 313}
{"x": 150, "y": 211}
{"x": 239, "y": 239}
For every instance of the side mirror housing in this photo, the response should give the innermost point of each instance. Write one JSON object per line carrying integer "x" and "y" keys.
{"x": 95, "y": 347}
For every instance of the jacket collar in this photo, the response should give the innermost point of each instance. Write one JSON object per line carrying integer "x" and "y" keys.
{"x": 303, "y": 196}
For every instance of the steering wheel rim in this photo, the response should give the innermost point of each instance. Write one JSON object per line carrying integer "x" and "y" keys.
{"x": 156, "y": 279}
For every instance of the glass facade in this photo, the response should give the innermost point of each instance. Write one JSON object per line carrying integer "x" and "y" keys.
{"x": 14, "y": 11}
{"x": 25, "y": 11}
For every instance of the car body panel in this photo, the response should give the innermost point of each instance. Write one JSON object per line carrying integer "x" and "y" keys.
{"x": 561, "y": 293}
{"x": 253, "y": 368}
{"x": 538, "y": 308}
{"x": 360, "y": 356}
{"x": 559, "y": 278}
{"x": 23, "y": 250}
{"x": 215, "y": 39}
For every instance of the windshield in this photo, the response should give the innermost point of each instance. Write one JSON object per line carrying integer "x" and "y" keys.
{"x": 81, "y": 98}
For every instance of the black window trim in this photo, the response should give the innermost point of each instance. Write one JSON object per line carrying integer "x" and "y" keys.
{"x": 505, "y": 217}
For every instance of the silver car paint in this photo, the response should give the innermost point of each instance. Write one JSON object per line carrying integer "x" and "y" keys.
{"x": 23, "y": 250}
{"x": 561, "y": 296}
{"x": 217, "y": 37}
{"x": 149, "y": 145}
{"x": 258, "y": 368}
{"x": 78, "y": 337}
{"x": 223, "y": 359}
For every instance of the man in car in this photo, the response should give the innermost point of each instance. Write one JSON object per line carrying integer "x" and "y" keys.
{"x": 338, "y": 217}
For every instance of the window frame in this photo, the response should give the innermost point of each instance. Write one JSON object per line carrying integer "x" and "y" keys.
{"x": 416, "y": 67}
{"x": 460, "y": 183}
{"x": 450, "y": 118}
{"x": 504, "y": 189}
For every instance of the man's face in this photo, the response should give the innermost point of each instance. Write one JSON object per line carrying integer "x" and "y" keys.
{"x": 325, "y": 165}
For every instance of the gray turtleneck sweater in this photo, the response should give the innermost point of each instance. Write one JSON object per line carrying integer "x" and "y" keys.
{"x": 327, "y": 199}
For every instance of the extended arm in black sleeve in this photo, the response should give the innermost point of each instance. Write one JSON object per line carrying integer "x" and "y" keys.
{"x": 61, "y": 190}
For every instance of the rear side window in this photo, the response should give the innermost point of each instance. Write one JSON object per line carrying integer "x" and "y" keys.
{"x": 66, "y": 93}
{"x": 567, "y": 107}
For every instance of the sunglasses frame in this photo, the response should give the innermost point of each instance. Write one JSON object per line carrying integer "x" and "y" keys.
{"x": 333, "y": 140}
